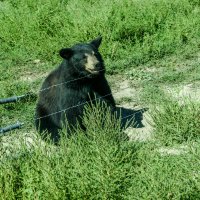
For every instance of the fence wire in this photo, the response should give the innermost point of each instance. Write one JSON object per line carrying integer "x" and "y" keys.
{"x": 80, "y": 104}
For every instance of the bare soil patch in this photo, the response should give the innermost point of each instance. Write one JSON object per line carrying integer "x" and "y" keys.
{"x": 181, "y": 92}
{"x": 127, "y": 95}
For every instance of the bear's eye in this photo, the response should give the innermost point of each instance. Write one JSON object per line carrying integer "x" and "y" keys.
{"x": 79, "y": 57}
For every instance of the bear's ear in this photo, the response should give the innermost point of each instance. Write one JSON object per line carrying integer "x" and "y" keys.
{"x": 96, "y": 42}
{"x": 66, "y": 53}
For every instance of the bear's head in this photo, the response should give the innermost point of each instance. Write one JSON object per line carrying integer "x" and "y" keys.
{"x": 85, "y": 58}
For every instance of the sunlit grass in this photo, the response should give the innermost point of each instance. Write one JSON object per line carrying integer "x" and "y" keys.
{"x": 152, "y": 42}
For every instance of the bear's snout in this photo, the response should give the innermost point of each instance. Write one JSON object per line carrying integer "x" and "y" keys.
{"x": 92, "y": 64}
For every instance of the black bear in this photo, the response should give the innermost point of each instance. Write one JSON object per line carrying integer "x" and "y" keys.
{"x": 80, "y": 78}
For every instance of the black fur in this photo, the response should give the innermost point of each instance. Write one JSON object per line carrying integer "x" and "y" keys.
{"x": 88, "y": 86}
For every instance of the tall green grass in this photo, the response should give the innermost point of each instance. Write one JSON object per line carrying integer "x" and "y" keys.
{"x": 101, "y": 164}
{"x": 98, "y": 165}
{"x": 177, "y": 122}
{"x": 133, "y": 31}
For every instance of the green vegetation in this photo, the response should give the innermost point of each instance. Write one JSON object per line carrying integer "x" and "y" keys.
{"x": 100, "y": 165}
{"x": 133, "y": 31}
{"x": 154, "y": 44}
{"x": 177, "y": 123}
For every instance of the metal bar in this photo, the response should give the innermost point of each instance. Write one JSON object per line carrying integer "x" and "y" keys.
{"x": 11, "y": 99}
{"x": 10, "y": 127}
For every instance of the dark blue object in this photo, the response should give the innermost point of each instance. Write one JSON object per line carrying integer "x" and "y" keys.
{"x": 10, "y": 127}
{"x": 11, "y": 99}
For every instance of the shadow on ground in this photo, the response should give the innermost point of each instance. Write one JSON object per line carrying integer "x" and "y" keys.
{"x": 130, "y": 117}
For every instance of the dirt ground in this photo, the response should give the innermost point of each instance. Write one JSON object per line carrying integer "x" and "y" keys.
{"x": 127, "y": 96}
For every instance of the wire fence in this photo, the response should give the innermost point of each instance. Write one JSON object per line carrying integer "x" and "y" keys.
{"x": 66, "y": 82}
{"x": 80, "y": 104}
{"x": 15, "y": 99}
